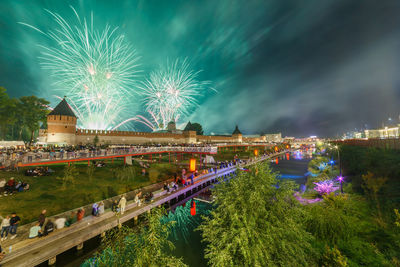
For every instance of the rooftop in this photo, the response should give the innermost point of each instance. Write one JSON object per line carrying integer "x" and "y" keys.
{"x": 63, "y": 108}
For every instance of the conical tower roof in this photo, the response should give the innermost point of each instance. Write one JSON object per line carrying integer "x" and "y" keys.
{"x": 188, "y": 126}
{"x": 63, "y": 109}
{"x": 236, "y": 131}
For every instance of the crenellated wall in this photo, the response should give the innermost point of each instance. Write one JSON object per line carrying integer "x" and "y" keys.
{"x": 84, "y": 136}
{"x": 62, "y": 129}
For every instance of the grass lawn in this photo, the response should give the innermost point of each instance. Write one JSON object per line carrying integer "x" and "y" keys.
{"x": 46, "y": 192}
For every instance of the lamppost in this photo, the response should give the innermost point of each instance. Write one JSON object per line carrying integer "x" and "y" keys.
{"x": 340, "y": 162}
{"x": 341, "y": 179}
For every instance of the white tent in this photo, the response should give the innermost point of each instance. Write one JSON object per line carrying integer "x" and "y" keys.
{"x": 209, "y": 159}
{"x": 11, "y": 144}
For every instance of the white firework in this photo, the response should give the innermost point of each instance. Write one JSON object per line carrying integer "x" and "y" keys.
{"x": 171, "y": 92}
{"x": 95, "y": 69}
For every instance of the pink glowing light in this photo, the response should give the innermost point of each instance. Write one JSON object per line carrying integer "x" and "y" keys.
{"x": 325, "y": 187}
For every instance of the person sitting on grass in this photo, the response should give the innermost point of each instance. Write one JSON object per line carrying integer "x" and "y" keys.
{"x": 35, "y": 231}
{"x": 9, "y": 187}
{"x": 26, "y": 186}
{"x": 2, "y": 185}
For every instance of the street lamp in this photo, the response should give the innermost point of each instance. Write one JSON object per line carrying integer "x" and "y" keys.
{"x": 340, "y": 162}
{"x": 341, "y": 180}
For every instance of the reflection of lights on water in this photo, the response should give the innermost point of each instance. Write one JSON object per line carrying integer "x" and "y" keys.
{"x": 184, "y": 221}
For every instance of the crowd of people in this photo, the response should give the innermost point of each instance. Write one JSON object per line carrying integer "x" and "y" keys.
{"x": 38, "y": 171}
{"x": 11, "y": 186}
{"x": 10, "y": 157}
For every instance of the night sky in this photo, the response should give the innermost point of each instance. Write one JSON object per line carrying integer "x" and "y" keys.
{"x": 299, "y": 67}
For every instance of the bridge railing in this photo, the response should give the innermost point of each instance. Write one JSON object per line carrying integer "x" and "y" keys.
{"x": 32, "y": 157}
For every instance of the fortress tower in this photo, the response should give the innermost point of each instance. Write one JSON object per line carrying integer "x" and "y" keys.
{"x": 237, "y": 135}
{"x": 61, "y": 124}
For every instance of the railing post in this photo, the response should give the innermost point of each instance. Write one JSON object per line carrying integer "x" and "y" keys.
{"x": 52, "y": 260}
{"x": 79, "y": 246}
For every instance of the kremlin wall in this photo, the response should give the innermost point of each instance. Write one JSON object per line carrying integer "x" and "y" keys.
{"x": 61, "y": 129}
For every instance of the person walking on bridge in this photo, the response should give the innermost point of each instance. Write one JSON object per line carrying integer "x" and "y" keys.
{"x": 5, "y": 227}
{"x": 122, "y": 204}
{"x": 14, "y": 221}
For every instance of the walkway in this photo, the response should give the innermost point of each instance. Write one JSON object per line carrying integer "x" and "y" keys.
{"x": 42, "y": 158}
{"x": 35, "y": 251}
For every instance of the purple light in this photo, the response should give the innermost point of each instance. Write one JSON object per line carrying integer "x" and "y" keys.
{"x": 325, "y": 187}
{"x": 305, "y": 201}
{"x": 340, "y": 179}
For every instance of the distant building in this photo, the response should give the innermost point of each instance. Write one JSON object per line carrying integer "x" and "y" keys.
{"x": 387, "y": 132}
{"x": 269, "y": 138}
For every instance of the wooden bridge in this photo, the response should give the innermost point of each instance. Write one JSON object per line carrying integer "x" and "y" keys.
{"x": 31, "y": 252}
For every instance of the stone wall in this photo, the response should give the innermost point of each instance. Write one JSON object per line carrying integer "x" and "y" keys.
{"x": 127, "y": 137}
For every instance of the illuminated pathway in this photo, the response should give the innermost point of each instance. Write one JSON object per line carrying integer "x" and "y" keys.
{"x": 35, "y": 251}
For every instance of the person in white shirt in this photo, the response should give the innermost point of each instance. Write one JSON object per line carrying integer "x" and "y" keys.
{"x": 2, "y": 185}
{"x": 5, "y": 228}
{"x": 60, "y": 223}
{"x": 122, "y": 204}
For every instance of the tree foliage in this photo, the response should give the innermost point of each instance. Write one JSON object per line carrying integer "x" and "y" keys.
{"x": 70, "y": 172}
{"x": 7, "y": 112}
{"x": 194, "y": 127}
{"x": 90, "y": 171}
{"x": 146, "y": 246}
{"x": 18, "y": 116}
{"x": 34, "y": 111}
{"x": 256, "y": 224}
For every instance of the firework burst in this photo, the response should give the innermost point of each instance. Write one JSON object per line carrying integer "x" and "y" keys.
{"x": 171, "y": 92}
{"x": 95, "y": 69}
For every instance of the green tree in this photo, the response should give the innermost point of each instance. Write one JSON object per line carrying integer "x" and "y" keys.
{"x": 333, "y": 258}
{"x": 96, "y": 140}
{"x": 396, "y": 212}
{"x": 33, "y": 110}
{"x": 7, "y": 112}
{"x": 90, "y": 171}
{"x": 147, "y": 246}
{"x": 198, "y": 128}
{"x": 331, "y": 219}
{"x": 372, "y": 185}
{"x": 194, "y": 127}
{"x": 70, "y": 172}
{"x": 256, "y": 224}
